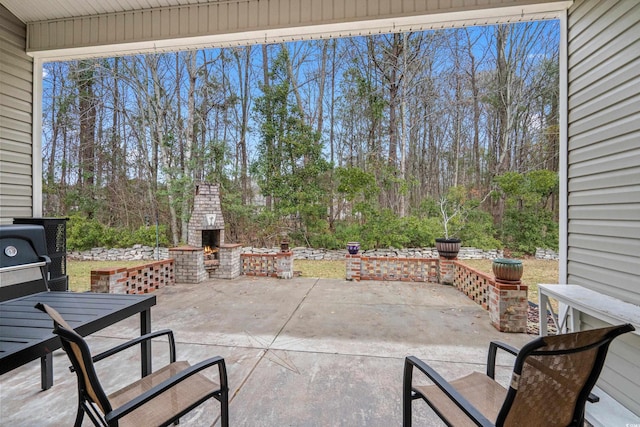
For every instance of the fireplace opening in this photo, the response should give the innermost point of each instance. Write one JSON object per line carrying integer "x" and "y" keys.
{"x": 210, "y": 243}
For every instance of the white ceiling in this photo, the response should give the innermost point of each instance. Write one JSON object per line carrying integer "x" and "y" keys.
{"x": 44, "y": 10}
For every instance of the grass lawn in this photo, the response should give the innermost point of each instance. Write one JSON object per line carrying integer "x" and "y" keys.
{"x": 535, "y": 271}
{"x": 79, "y": 272}
{"x": 324, "y": 269}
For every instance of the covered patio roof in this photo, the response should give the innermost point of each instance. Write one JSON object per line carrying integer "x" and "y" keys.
{"x": 65, "y": 29}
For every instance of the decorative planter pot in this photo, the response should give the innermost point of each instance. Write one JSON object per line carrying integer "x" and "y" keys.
{"x": 507, "y": 270}
{"x": 284, "y": 246}
{"x": 448, "y": 248}
{"x": 353, "y": 247}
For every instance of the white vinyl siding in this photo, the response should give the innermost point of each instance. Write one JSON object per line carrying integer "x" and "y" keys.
{"x": 16, "y": 157}
{"x": 604, "y": 170}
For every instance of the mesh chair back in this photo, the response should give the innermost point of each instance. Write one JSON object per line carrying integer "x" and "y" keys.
{"x": 553, "y": 377}
{"x": 78, "y": 351}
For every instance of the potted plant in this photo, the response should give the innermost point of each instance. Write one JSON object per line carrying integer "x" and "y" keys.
{"x": 507, "y": 270}
{"x": 353, "y": 247}
{"x": 448, "y": 247}
{"x": 451, "y": 206}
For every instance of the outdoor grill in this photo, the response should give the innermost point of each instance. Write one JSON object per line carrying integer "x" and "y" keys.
{"x": 23, "y": 260}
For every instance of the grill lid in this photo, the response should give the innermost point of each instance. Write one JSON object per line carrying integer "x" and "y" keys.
{"x": 22, "y": 244}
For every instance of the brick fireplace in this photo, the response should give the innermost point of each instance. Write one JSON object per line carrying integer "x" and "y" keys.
{"x": 207, "y": 255}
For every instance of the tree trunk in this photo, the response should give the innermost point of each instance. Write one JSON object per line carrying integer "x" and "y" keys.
{"x": 87, "y": 111}
{"x": 265, "y": 74}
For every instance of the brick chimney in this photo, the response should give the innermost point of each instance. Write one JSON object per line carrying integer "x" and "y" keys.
{"x": 206, "y": 226}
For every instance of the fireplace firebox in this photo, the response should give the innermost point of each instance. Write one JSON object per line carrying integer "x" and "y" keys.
{"x": 211, "y": 243}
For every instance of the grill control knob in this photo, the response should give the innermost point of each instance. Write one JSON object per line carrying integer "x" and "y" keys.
{"x": 10, "y": 251}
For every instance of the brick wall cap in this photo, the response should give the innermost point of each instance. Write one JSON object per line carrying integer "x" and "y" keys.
{"x": 230, "y": 245}
{"x": 186, "y": 248}
{"x": 108, "y": 270}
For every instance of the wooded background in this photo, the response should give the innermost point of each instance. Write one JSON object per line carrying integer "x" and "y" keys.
{"x": 390, "y": 139}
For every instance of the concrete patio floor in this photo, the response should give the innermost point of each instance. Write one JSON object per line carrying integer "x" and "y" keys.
{"x": 299, "y": 352}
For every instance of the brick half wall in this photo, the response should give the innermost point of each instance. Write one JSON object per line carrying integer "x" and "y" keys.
{"x": 402, "y": 269}
{"x": 268, "y": 265}
{"x": 140, "y": 279}
{"x": 507, "y": 303}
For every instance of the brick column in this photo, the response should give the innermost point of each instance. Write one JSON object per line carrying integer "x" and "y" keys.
{"x": 446, "y": 270}
{"x": 109, "y": 280}
{"x": 189, "y": 264}
{"x": 508, "y": 305}
{"x": 230, "y": 265}
{"x": 284, "y": 265}
{"x": 353, "y": 267}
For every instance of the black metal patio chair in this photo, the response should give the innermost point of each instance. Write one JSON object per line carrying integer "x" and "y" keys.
{"x": 158, "y": 399}
{"x": 552, "y": 379}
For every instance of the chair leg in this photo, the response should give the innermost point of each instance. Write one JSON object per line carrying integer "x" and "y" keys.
{"x": 79, "y": 416}
{"x": 407, "y": 395}
{"x": 406, "y": 411}
{"x": 224, "y": 408}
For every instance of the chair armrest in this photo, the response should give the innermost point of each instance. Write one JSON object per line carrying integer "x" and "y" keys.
{"x": 169, "y": 383}
{"x": 462, "y": 403}
{"x": 491, "y": 357}
{"x": 138, "y": 340}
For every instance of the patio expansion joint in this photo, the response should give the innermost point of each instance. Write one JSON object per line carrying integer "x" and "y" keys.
{"x": 293, "y": 312}
{"x": 266, "y": 349}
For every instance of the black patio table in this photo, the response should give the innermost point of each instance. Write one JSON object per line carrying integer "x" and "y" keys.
{"x": 26, "y": 332}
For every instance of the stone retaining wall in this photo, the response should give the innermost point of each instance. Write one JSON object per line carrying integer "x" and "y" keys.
{"x": 339, "y": 254}
{"x": 547, "y": 254}
{"x": 140, "y": 252}
{"x": 135, "y": 253}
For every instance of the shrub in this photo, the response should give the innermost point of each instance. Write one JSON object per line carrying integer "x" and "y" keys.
{"x": 84, "y": 233}
{"x": 422, "y": 232}
{"x": 347, "y": 232}
{"x": 383, "y": 229}
{"x": 325, "y": 240}
{"x": 528, "y": 220}
{"x": 147, "y": 236}
{"x": 526, "y": 230}
{"x": 479, "y": 231}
